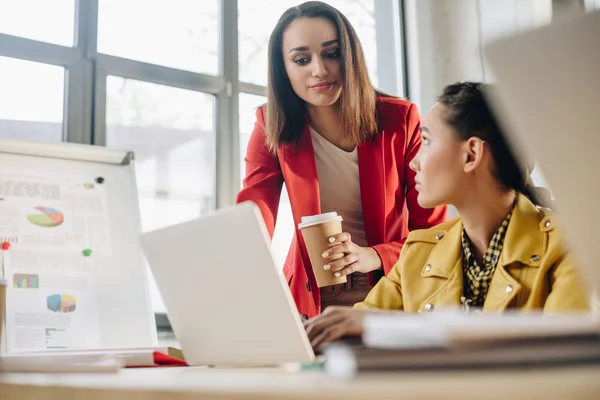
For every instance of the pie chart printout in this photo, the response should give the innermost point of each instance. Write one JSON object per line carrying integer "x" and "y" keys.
{"x": 61, "y": 303}
{"x": 46, "y": 217}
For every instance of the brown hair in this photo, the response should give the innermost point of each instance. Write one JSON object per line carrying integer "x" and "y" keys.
{"x": 286, "y": 112}
{"x": 469, "y": 115}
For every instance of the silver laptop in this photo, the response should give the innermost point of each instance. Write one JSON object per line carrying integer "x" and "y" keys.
{"x": 227, "y": 301}
{"x": 548, "y": 98}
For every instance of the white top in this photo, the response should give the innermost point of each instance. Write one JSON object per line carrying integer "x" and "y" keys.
{"x": 339, "y": 185}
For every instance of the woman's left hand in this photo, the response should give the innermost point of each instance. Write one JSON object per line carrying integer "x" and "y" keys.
{"x": 355, "y": 259}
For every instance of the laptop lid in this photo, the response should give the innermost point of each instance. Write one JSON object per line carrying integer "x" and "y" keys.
{"x": 227, "y": 301}
{"x": 548, "y": 98}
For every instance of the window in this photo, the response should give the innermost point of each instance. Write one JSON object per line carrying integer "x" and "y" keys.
{"x": 248, "y": 105}
{"x": 179, "y": 34}
{"x": 254, "y": 36}
{"x": 50, "y": 21}
{"x": 31, "y": 100}
{"x": 171, "y": 131}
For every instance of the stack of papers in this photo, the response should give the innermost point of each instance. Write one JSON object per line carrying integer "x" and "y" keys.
{"x": 458, "y": 340}
{"x": 445, "y": 328}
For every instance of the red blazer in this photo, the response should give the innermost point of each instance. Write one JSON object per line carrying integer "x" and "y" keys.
{"x": 389, "y": 198}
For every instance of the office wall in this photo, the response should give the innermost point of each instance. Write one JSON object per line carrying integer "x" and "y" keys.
{"x": 445, "y": 38}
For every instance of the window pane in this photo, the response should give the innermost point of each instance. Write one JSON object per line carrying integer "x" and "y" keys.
{"x": 248, "y": 104}
{"x": 257, "y": 20}
{"x": 181, "y": 34}
{"x": 31, "y": 100}
{"x": 172, "y": 133}
{"x": 284, "y": 228}
{"x": 51, "y": 21}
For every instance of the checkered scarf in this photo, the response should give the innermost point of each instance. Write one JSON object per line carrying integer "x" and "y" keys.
{"x": 477, "y": 277}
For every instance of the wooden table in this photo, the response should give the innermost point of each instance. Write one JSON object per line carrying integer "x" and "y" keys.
{"x": 214, "y": 383}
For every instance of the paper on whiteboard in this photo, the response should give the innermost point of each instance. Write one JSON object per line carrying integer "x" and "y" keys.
{"x": 50, "y": 219}
{"x": 51, "y": 301}
{"x": 61, "y": 213}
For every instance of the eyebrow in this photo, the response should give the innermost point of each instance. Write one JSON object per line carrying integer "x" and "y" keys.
{"x": 324, "y": 44}
{"x": 424, "y": 129}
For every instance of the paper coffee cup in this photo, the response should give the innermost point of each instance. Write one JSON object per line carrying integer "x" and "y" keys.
{"x": 316, "y": 230}
{"x": 2, "y": 304}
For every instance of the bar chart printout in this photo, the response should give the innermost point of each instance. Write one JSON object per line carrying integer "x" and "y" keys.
{"x": 26, "y": 281}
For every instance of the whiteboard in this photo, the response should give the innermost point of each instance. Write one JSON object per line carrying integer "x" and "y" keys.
{"x": 120, "y": 282}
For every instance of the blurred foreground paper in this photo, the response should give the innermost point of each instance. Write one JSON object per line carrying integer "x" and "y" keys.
{"x": 452, "y": 340}
{"x": 547, "y": 98}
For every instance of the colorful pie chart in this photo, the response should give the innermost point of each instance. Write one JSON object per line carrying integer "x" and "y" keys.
{"x": 62, "y": 303}
{"x": 46, "y": 217}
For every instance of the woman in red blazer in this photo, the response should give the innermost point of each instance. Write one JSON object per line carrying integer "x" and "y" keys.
{"x": 322, "y": 109}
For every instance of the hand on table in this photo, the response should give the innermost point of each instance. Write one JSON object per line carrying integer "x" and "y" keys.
{"x": 334, "y": 323}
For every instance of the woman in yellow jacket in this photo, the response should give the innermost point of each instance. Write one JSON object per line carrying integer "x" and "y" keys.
{"x": 503, "y": 252}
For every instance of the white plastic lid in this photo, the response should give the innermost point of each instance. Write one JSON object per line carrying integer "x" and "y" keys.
{"x": 3, "y": 282}
{"x": 319, "y": 219}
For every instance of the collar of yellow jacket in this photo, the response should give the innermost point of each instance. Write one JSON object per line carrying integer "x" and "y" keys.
{"x": 524, "y": 241}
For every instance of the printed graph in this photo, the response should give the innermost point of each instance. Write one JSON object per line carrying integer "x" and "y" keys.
{"x": 26, "y": 281}
{"x": 61, "y": 303}
{"x": 9, "y": 239}
{"x": 46, "y": 217}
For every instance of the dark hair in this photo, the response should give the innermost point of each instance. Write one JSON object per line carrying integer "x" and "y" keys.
{"x": 286, "y": 112}
{"x": 469, "y": 114}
